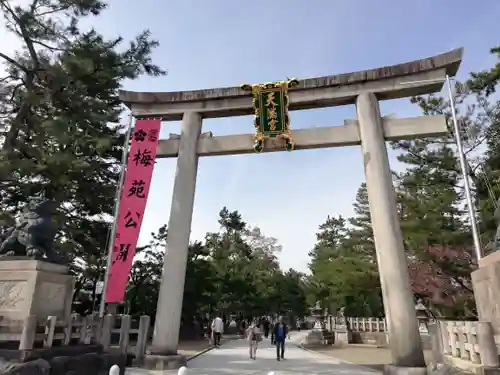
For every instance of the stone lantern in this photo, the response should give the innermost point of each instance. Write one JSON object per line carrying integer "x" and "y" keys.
{"x": 317, "y": 314}
{"x": 315, "y": 336}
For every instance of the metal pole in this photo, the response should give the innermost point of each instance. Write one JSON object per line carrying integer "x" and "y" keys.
{"x": 111, "y": 240}
{"x": 463, "y": 165}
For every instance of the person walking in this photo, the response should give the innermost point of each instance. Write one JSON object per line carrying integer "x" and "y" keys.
{"x": 253, "y": 338}
{"x": 267, "y": 326}
{"x": 280, "y": 333}
{"x": 217, "y": 330}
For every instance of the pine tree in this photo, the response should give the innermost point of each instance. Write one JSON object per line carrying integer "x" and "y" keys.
{"x": 331, "y": 237}
{"x": 484, "y": 85}
{"x": 60, "y": 113}
{"x": 361, "y": 233}
{"x": 430, "y": 201}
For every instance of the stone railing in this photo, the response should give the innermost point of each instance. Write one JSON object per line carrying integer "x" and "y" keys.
{"x": 85, "y": 344}
{"x": 380, "y": 324}
{"x": 372, "y": 330}
{"x": 466, "y": 345}
{"x": 367, "y": 324}
{"x": 120, "y": 338}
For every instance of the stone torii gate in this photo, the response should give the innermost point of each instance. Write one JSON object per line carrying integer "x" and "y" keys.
{"x": 364, "y": 89}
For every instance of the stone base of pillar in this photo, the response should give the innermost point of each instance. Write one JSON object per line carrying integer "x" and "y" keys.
{"x": 399, "y": 370}
{"x": 164, "y": 362}
{"x": 343, "y": 337}
{"x": 485, "y": 281}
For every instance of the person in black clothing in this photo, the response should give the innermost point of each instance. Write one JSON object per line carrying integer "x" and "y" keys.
{"x": 280, "y": 334}
{"x": 267, "y": 326}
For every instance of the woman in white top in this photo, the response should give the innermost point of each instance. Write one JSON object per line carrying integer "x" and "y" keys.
{"x": 253, "y": 337}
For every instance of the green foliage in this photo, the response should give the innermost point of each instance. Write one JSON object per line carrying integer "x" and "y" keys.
{"x": 360, "y": 239}
{"x": 234, "y": 271}
{"x": 344, "y": 274}
{"x": 145, "y": 276}
{"x": 59, "y": 114}
{"x": 430, "y": 192}
{"x": 59, "y": 119}
{"x": 435, "y": 224}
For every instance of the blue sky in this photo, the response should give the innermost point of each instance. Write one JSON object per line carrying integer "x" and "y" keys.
{"x": 216, "y": 43}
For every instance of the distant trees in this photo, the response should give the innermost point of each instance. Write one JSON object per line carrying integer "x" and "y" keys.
{"x": 432, "y": 213}
{"x": 234, "y": 271}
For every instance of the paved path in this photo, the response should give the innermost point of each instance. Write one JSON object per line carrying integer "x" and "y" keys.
{"x": 232, "y": 359}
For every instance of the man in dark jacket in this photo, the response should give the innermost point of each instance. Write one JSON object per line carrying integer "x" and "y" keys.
{"x": 280, "y": 334}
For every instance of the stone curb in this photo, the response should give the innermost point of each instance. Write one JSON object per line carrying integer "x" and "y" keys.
{"x": 199, "y": 353}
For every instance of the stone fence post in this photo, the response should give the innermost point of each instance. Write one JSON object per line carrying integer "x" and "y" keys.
{"x": 436, "y": 342}
{"x": 487, "y": 347}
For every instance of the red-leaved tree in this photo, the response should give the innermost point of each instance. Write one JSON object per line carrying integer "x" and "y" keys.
{"x": 440, "y": 275}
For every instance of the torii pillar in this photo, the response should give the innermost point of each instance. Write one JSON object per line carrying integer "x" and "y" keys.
{"x": 364, "y": 89}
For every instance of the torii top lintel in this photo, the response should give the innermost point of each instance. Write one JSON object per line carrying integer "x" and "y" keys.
{"x": 417, "y": 77}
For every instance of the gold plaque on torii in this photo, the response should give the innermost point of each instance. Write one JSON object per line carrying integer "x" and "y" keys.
{"x": 271, "y": 118}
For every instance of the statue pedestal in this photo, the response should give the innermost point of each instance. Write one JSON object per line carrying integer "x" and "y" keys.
{"x": 315, "y": 338}
{"x": 486, "y": 285}
{"x": 34, "y": 287}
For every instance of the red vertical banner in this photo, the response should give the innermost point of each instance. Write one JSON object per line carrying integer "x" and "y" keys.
{"x": 140, "y": 165}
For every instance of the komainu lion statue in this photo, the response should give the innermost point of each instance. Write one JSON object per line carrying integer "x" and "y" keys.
{"x": 34, "y": 233}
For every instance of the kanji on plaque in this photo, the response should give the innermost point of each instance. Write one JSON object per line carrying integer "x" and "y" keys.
{"x": 140, "y": 165}
{"x": 271, "y": 118}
